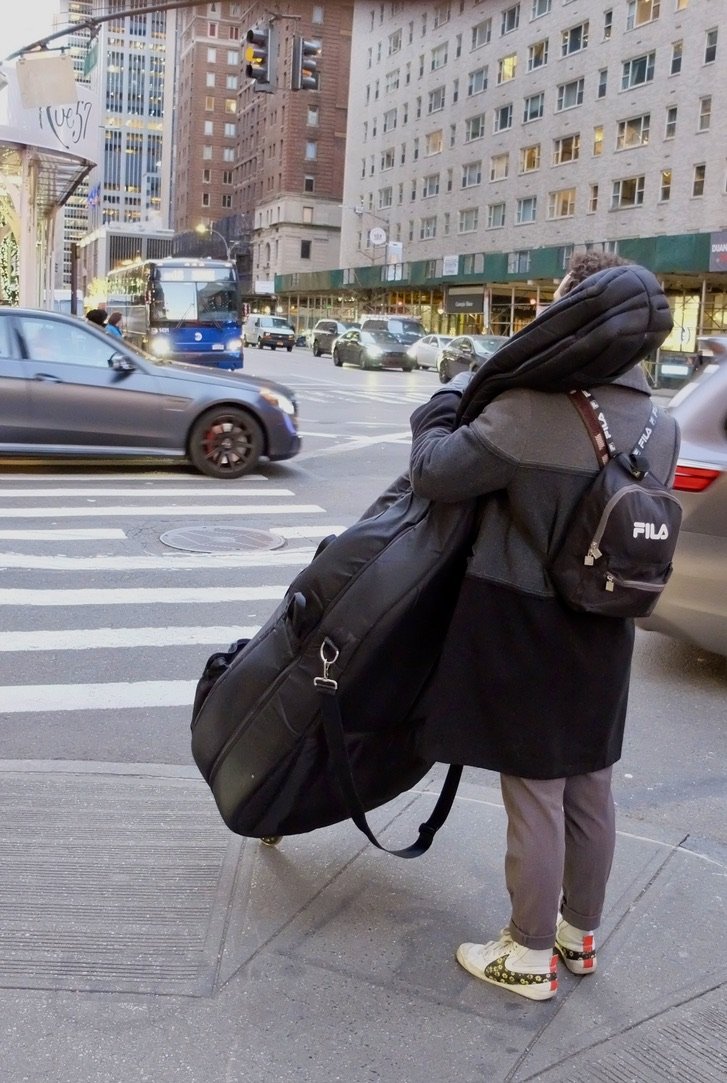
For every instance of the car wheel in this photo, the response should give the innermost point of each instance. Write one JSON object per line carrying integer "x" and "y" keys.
{"x": 225, "y": 442}
{"x": 289, "y": 349}
{"x": 337, "y": 358}
{"x": 408, "y": 368}
{"x": 273, "y": 348}
{"x": 316, "y": 348}
{"x": 444, "y": 376}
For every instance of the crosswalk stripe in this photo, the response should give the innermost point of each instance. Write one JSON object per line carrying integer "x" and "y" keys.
{"x": 137, "y": 492}
{"x": 174, "y": 561}
{"x": 140, "y": 596}
{"x": 72, "y": 534}
{"x": 174, "y": 509}
{"x": 21, "y": 698}
{"x": 82, "y": 639}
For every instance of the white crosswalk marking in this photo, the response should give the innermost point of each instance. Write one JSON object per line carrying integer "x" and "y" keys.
{"x": 81, "y": 639}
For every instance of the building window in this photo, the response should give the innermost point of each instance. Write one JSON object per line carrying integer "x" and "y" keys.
{"x": 441, "y": 15}
{"x": 428, "y": 228}
{"x": 562, "y": 204}
{"x": 233, "y": 58}
{"x": 312, "y": 116}
{"x": 499, "y": 167}
{"x": 439, "y": 57}
{"x": 468, "y": 220}
{"x": 228, "y": 154}
{"x": 502, "y": 118}
{"x": 593, "y": 199}
{"x": 311, "y": 151}
{"x": 474, "y": 128}
{"x": 227, "y": 176}
{"x": 205, "y": 199}
{"x": 534, "y": 107}
{"x": 226, "y": 201}
{"x": 305, "y": 248}
{"x": 705, "y": 113}
{"x": 597, "y": 141}
{"x": 665, "y": 186}
{"x": 529, "y": 158}
{"x": 607, "y": 25}
{"x": 309, "y": 184}
{"x": 518, "y": 263}
{"x": 633, "y": 132}
{"x": 698, "y": 179}
{"x": 496, "y": 216}
{"x": 317, "y": 14}
{"x": 538, "y": 55}
{"x": 628, "y": 192}
{"x": 230, "y": 82}
{"x": 394, "y": 42}
{"x": 670, "y": 129}
{"x": 481, "y": 33}
{"x": 211, "y": 56}
{"x": 602, "y": 83}
{"x": 510, "y": 19}
{"x": 676, "y": 58}
{"x": 710, "y": 47}
{"x": 385, "y": 198}
{"x": 391, "y": 81}
{"x": 506, "y": 68}
{"x": 569, "y": 95}
{"x": 206, "y": 153}
{"x": 206, "y": 176}
{"x": 211, "y": 30}
{"x": 574, "y": 40}
{"x": 388, "y": 159}
{"x": 210, "y": 79}
{"x": 209, "y": 127}
{"x": 430, "y": 185}
{"x": 566, "y": 149}
{"x": 637, "y": 71}
{"x": 230, "y": 106}
{"x": 471, "y": 174}
{"x": 525, "y": 210}
{"x": 436, "y": 100}
{"x": 540, "y": 7}
{"x": 639, "y": 12}
{"x": 476, "y": 82}
{"x": 230, "y": 131}
{"x": 390, "y": 120}
{"x": 209, "y": 104}
{"x": 434, "y": 143}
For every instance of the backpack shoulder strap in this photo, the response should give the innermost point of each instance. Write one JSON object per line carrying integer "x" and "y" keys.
{"x": 585, "y": 404}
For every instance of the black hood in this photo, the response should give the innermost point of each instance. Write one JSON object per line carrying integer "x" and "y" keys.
{"x": 610, "y": 322}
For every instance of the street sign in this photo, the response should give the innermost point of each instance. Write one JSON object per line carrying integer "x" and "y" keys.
{"x": 377, "y": 235}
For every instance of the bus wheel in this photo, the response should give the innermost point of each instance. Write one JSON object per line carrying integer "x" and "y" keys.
{"x": 225, "y": 443}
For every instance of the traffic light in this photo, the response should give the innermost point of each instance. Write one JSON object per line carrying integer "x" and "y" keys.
{"x": 305, "y": 64}
{"x": 259, "y": 63}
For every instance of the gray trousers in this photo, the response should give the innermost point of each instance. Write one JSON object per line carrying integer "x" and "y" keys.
{"x": 560, "y": 841}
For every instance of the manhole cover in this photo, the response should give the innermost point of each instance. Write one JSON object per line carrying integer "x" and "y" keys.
{"x": 220, "y": 539}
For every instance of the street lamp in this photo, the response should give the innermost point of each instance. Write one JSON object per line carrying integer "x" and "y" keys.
{"x": 202, "y": 228}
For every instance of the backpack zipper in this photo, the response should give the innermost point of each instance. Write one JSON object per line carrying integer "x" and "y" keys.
{"x": 594, "y": 552}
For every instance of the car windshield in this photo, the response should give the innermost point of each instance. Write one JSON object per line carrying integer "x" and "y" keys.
{"x": 209, "y": 301}
{"x": 382, "y": 336}
{"x": 278, "y": 323}
{"x": 488, "y": 344}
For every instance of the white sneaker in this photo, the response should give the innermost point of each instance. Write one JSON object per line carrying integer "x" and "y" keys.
{"x": 532, "y": 974}
{"x": 576, "y": 947}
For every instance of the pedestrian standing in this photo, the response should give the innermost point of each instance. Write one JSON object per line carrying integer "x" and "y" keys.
{"x": 525, "y": 685}
{"x": 97, "y": 316}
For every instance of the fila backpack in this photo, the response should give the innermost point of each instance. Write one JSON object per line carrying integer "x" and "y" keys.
{"x": 616, "y": 555}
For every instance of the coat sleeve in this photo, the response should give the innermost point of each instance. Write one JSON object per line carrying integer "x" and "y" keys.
{"x": 452, "y": 464}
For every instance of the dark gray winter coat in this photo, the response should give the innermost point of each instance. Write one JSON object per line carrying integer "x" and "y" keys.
{"x": 525, "y": 685}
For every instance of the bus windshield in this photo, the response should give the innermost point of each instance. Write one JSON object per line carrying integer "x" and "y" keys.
{"x": 206, "y": 296}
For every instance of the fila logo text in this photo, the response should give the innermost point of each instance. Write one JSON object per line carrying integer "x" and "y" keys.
{"x": 651, "y": 531}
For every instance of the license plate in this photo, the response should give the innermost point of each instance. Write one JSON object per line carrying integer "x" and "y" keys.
{"x": 217, "y": 346}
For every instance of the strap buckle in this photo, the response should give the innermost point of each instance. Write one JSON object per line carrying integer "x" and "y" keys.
{"x": 329, "y": 653}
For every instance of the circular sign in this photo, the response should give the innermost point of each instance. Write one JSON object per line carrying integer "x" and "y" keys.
{"x": 377, "y": 235}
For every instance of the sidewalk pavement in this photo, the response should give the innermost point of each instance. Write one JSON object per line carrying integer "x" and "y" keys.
{"x": 143, "y": 941}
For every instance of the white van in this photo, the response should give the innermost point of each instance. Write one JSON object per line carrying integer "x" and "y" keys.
{"x": 272, "y": 331}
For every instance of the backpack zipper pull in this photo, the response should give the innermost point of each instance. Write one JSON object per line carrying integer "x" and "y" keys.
{"x": 593, "y": 553}
{"x": 609, "y": 581}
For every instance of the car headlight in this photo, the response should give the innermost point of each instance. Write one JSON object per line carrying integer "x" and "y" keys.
{"x": 234, "y": 344}
{"x": 275, "y": 398}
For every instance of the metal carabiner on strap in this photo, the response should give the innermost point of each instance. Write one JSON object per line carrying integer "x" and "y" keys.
{"x": 329, "y": 653}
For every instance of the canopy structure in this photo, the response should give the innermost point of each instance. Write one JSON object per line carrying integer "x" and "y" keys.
{"x": 36, "y": 180}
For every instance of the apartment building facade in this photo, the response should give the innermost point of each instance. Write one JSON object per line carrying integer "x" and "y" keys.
{"x": 488, "y": 139}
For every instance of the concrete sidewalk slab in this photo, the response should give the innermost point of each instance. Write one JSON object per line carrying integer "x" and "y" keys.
{"x": 196, "y": 955}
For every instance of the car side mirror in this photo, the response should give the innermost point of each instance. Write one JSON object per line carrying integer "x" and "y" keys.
{"x": 119, "y": 363}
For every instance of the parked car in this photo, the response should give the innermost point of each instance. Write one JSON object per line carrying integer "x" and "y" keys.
{"x": 272, "y": 331}
{"x": 466, "y": 353}
{"x": 425, "y": 351}
{"x": 371, "y": 350}
{"x": 325, "y": 333}
{"x": 693, "y": 606}
{"x": 406, "y": 328}
{"x": 69, "y": 389}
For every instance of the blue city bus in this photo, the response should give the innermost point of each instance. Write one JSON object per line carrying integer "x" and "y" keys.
{"x": 182, "y": 309}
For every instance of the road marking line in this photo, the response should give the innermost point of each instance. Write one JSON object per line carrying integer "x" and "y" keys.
{"x": 24, "y": 698}
{"x": 82, "y": 639}
{"x": 136, "y": 492}
{"x": 175, "y": 510}
{"x": 172, "y": 562}
{"x": 72, "y": 534}
{"x": 140, "y": 596}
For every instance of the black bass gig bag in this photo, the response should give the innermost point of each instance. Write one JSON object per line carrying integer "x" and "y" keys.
{"x": 313, "y": 720}
{"x": 616, "y": 556}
